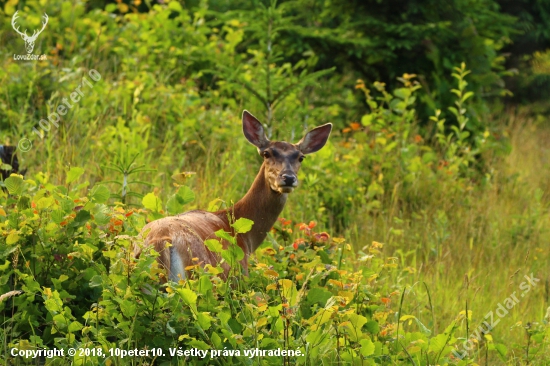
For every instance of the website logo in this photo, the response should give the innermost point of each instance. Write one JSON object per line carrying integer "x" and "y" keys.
{"x": 29, "y": 40}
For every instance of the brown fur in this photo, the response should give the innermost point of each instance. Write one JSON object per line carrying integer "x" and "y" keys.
{"x": 262, "y": 204}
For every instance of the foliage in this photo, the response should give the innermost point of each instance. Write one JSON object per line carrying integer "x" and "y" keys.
{"x": 265, "y": 76}
{"x": 412, "y": 163}
{"x": 82, "y": 288}
{"x": 528, "y": 49}
{"x": 376, "y": 42}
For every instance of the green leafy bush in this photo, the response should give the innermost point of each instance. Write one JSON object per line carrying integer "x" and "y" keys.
{"x": 427, "y": 181}
{"x": 72, "y": 256}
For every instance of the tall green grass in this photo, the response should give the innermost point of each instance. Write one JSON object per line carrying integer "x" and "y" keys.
{"x": 463, "y": 239}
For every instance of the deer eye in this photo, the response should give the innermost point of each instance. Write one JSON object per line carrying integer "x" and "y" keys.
{"x": 265, "y": 154}
{"x": 301, "y": 158}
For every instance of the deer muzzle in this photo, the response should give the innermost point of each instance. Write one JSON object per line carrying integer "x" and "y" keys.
{"x": 287, "y": 182}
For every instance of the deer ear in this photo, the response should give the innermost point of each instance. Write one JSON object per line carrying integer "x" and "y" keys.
{"x": 315, "y": 139}
{"x": 254, "y": 131}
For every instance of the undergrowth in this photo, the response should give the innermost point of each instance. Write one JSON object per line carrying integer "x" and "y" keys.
{"x": 404, "y": 235}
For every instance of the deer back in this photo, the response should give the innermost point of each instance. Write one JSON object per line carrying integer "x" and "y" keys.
{"x": 186, "y": 234}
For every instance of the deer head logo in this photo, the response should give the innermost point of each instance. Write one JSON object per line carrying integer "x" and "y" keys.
{"x": 29, "y": 40}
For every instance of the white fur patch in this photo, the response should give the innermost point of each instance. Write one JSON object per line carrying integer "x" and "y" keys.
{"x": 176, "y": 266}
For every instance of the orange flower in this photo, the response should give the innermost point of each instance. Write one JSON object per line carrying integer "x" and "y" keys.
{"x": 297, "y": 242}
{"x": 386, "y": 300}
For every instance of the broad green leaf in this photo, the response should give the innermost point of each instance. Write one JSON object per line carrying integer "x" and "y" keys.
{"x": 173, "y": 206}
{"x": 205, "y": 284}
{"x": 437, "y": 343}
{"x": 198, "y": 344}
{"x": 466, "y": 96}
{"x": 215, "y": 205}
{"x": 60, "y": 321}
{"x": 222, "y": 234}
{"x": 67, "y": 205}
{"x": 214, "y": 245}
{"x": 12, "y": 238}
{"x": 174, "y": 5}
{"x": 82, "y": 217}
{"x": 186, "y": 194}
{"x": 289, "y": 291}
{"x": 24, "y": 202}
{"x": 44, "y": 202}
{"x": 96, "y": 281}
{"x": 502, "y": 350}
{"x": 151, "y": 202}
{"x": 14, "y": 184}
{"x": 101, "y": 218}
{"x": 423, "y": 328}
{"x": 216, "y": 340}
{"x": 233, "y": 254}
{"x": 63, "y": 278}
{"x": 73, "y": 174}
{"x": 128, "y": 308}
{"x": 110, "y": 8}
{"x": 204, "y": 320}
{"x": 170, "y": 328}
{"x": 188, "y": 296}
{"x": 318, "y": 295}
{"x": 402, "y": 93}
{"x": 57, "y": 216}
{"x": 183, "y": 196}
{"x": 373, "y": 327}
{"x": 367, "y": 347}
{"x": 5, "y": 266}
{"x": 100, "y": 193}
{"x": 74, "y": 327}
{"x": 366, "y": 120}
{"x": 242, "y": 225}
{"x": 315, "y": 337}
{"x": 354, "y": 326}
{"x": 404, "y": 318}
{"x": 454, "y": 111}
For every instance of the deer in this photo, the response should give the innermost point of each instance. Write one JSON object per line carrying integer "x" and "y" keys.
{"x": 179, "y": 239}
{"x": 29, "y": 40}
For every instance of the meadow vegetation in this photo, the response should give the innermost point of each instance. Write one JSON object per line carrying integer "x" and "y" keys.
{"x": 422, "y": 215}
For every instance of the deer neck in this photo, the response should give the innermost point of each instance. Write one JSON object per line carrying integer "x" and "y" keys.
{"x": 262, "y": 205}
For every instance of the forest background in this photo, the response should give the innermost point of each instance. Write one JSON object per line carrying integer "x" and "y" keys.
{"x": 424, "y": 213}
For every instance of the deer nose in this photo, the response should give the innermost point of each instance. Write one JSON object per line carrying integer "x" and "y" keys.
{"x": 289, "y": 179}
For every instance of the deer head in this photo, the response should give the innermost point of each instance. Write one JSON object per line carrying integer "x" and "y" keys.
{"x": 282, "y": 160}
{"x": 29, "y": 40}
